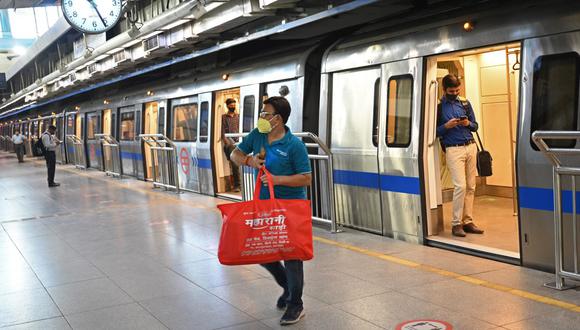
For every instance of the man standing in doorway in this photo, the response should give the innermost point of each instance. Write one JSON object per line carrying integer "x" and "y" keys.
{"x": 18, "y": 140}
{"x": 231, "y": 124}
{"x": 455, "y": 122}
{"x": 50, "y": 143}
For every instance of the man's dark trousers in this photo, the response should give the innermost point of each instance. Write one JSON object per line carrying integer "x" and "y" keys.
{"x": 19, "y": 149}
{"x": 50, "y": 157}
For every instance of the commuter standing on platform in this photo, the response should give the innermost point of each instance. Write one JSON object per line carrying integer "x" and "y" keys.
{"x": 18, "y": 140}
{"x": 287, "y": 160}
{"x": 50, "y": 143}
{"x": 455, "y": 122}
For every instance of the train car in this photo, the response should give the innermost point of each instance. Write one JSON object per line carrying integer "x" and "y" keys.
{"x": 189, "y": 112}
{"x": 378, "y": 114}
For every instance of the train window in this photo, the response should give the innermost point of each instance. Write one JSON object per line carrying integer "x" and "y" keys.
{"x": 399, "y": 107}
{"x": 127, "y": 126}
{"x": 249, "y": 109}
{"x": 555, "y": 96}
{"x": 376, "y": 112}
{"x": 93, "y": 126}
{"x": 203, "y": 121}
{"x": 185, "y": 122}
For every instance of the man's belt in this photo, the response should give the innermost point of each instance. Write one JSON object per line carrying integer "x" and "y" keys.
{"x": 460, "y": 144}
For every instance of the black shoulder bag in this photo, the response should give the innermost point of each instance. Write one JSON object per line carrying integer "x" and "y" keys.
{"x": 483, "y": 160}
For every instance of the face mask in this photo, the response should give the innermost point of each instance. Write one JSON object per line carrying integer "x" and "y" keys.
{"x": 451, "y": 97}
{"x": 264, "y": 126}
{"x": 231, "y": 109}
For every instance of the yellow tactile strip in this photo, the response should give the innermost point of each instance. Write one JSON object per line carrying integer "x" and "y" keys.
{"x": 397, "y": 260}
{"x": 457, "y": 276}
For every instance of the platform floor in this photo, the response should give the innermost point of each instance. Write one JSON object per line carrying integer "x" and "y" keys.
{"x": 102, "y": 253}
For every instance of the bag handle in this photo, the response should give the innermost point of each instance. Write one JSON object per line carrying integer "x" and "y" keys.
{"x": 476, "y": 133}
{"x": 258, "y": 187}
{"x": 479, "y": 139}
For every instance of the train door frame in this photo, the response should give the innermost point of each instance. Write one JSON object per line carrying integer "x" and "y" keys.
{"x": 398, "y": 150}
{"x": 431, "y": 154}
{"x": 149, "y": 127}
{"x": 69, "y": 150}
{"x": 92, "y": 145}
{"x": 61, "y": 135}
{"x": 131, "y": 151}
{"x": 218, "y": 156}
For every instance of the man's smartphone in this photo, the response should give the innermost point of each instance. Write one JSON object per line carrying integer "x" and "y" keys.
{"x": 462, "y": 117}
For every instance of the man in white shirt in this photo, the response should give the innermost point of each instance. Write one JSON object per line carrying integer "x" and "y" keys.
{"x": 18, "y": 140}
{"x": 50, "y": 143}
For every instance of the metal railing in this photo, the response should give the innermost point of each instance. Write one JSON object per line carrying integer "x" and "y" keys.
{"x": 320, "y": 192}
{"x": 8, "y": 145}
{"x": 163, "y": 161}
{"x": 559, "y": 170}
{"x": 78, "y": 156}
{"x": 111, "y": 155}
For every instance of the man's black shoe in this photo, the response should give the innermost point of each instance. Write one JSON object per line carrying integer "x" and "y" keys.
{"x": 458, "y": 231}
{"x": 472, "y": 229}
{"x": 292, "y": 315}
{"x": 281, "y": 303}
{"x": 54, "y": 184}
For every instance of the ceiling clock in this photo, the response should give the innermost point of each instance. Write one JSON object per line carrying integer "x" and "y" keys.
{"x": 92, "y": 16}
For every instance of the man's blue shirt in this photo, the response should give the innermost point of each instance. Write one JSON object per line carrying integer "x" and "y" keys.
{"x": 287, "y": 156}
{"x": 455, "y": 109}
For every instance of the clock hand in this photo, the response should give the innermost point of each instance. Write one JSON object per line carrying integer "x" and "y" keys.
{"x": 98, "y": 13}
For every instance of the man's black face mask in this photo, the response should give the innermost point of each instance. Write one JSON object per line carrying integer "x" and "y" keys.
{"x": 451, "y": 97}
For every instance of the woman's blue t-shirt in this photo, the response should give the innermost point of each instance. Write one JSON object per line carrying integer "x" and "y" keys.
{"x": 287, "y": 156}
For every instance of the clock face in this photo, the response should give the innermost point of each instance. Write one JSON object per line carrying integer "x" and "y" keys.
{"x": 92, "y": 16}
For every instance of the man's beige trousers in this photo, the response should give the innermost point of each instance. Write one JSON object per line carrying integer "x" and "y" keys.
{"x": 462, "y": 164}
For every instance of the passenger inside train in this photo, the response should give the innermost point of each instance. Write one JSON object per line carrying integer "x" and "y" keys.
{"x": 490, "y": 79}
{"x": 227, "y": 120}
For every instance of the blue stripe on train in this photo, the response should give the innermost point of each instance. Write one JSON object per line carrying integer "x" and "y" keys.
{"x": 204, "y": 163}
{"x": 131, "y": 155}
{"x": 543, "y": 199}
{"x": 394, "y": 183}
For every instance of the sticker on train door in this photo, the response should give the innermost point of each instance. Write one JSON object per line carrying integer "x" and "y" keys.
{"x": 184, "y": 160}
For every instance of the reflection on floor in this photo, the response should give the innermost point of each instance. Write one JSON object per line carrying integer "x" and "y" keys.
{"x": 494, "y": 215}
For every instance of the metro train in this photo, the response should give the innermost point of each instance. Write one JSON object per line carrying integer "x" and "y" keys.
{"x": 372, "y": 97}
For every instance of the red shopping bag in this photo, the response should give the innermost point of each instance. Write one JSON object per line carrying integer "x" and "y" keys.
{"x": 263, "y": 231}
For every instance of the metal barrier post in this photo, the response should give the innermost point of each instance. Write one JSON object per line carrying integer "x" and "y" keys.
{"x": 322, "y": 189}
{"x": 79, "y": 159}
{"x": 163, "y": 153}
{"x": 558, "y": 170}
{"x": 111, "y": 154}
